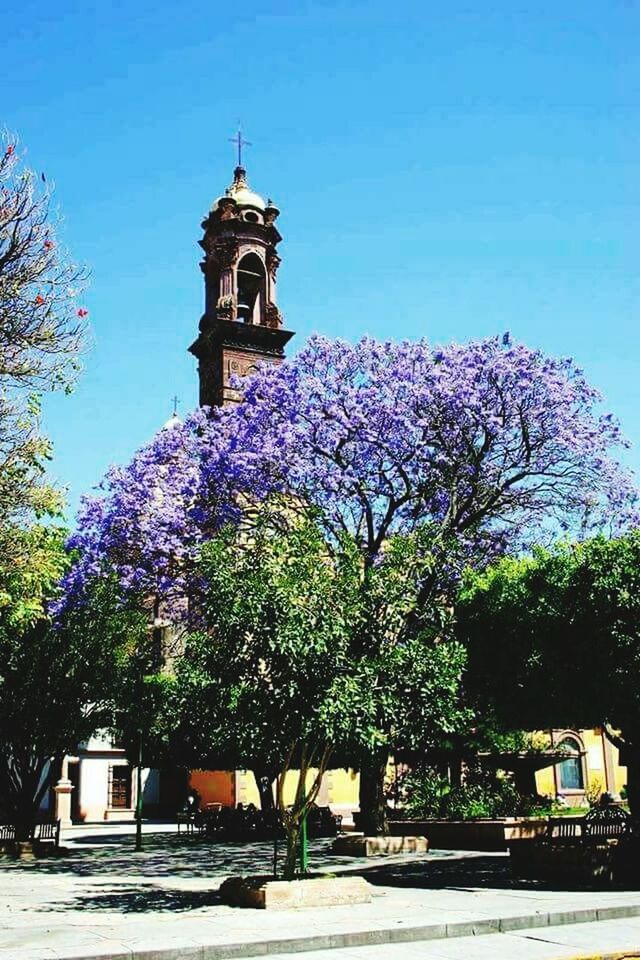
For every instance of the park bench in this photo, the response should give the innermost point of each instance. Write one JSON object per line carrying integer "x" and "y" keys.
{"x": 47, "y": 831}
{"x": 606, "y": 823}
{"x": 562, "y": 830}
{"x": 597, "y": 826}
{"x": 594, "y": 848}
{"x": 44, "y": 832}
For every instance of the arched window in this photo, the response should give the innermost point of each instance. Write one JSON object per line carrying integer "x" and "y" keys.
{"x": 570, "y": 775}
{"x": 251, "y": 288}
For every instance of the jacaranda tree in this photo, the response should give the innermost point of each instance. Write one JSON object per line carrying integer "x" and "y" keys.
{"x": 477, "y": 448}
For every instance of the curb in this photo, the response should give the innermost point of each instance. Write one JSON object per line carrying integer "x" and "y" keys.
{"x": 363, "y": 938}
{"x": 618, "y": 955}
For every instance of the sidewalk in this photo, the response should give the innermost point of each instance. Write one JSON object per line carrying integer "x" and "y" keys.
{"x": 104, "y": 900}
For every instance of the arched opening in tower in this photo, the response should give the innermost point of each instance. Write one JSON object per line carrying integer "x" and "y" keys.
{"x": 251, "y": 289}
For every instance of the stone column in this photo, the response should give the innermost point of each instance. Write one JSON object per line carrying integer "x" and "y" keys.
{"x": 63, "y": 790}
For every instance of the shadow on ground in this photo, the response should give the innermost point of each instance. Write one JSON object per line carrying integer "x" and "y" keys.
{"x": 472, "y": 873}
{"x": 162, "y": 856}
{"x": 141, "y": 898}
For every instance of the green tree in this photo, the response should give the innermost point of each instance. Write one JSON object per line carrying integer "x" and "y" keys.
{"x": 260, "y": 685}
{"x": 56, "y": 680}
{"x": 285, "y": 676}
{"x": 554, "y": 640}
{"x": 406, "y": 665}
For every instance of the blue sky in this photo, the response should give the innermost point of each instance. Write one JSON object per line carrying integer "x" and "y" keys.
{"x": 444, "y": 169}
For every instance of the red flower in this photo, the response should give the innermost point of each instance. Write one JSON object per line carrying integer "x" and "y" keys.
{"x": 48, "y": 244}
{"x": 82, "y": 312}
{"x": 9, "y": 150}
{"x": 39, "y": 300}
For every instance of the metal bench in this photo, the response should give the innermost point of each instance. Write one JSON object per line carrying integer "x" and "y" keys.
{"x": 598, "y": 825}
{"x": 605, "y": 823}
{"x": 48, "y": 831}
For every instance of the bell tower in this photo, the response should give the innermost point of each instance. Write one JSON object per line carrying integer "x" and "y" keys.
{"x": 241, "y": 324}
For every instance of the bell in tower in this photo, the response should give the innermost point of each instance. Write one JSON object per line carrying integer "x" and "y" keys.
{"x": 241, "y": 324}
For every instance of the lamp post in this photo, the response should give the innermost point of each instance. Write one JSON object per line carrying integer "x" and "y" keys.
{"x": 304, "y": 840}
{"x": 139, "y": 795}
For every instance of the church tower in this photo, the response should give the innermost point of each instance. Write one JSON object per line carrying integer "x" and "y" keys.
{"x": 241, "y": 324}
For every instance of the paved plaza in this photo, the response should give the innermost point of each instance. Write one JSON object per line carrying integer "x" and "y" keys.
{"x": 104, "y": 900}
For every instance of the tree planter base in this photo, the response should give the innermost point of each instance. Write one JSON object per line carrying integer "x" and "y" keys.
{"x": 262, "y": 893}
{"x": 356, "y": 845}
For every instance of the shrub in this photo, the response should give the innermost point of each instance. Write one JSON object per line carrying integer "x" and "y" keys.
{"x": 427, "y": 794}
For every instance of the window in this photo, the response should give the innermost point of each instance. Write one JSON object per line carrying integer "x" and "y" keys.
{"x": 120, "y": 786}
{"x": 570, "y": 776}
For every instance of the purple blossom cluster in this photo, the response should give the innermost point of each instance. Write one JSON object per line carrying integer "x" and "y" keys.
{"x": 490, "y": 443}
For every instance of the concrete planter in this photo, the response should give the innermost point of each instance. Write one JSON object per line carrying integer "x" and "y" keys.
{"x": 470, "y": 834}
{"x": 261, "y": 893}
{"x": 357, "y": 845}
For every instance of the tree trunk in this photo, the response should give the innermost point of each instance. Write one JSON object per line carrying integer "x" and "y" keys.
{"x": 25, "y": 790}
{"x": 293, "y": 848}
{"x": 372, "y": 820}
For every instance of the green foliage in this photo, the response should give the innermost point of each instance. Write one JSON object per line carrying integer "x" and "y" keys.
{"x": 483, "y": 794}
{"x": 266, "y": 671}
{"x": 410, "y": 658}
{"x": 56, "y": 680}
{"x": 554, "y": 641}
{"x": 312, "y": 640}
{"x": 38, "y": 563}
{"x": 262, "y": 684}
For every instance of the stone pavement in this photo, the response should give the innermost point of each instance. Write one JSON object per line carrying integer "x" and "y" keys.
{"x": 104, "y": 900}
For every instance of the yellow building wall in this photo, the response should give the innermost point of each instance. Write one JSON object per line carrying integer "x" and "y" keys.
{"x": 339, "y": 787}
{"x": 545, "y": 783}
{"x": 600, "y": 766}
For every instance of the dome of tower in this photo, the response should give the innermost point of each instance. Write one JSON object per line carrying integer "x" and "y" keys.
{"x": 241, "y": 192}
{"x": 173, "y": 421}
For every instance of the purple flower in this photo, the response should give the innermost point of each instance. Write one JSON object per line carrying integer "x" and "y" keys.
{"x": 489, "y": 449}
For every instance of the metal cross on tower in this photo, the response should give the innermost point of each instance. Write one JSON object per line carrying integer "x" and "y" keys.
{"x": 240, "y": 142}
